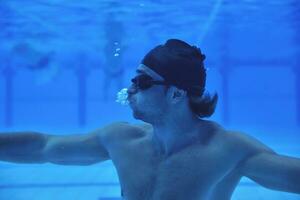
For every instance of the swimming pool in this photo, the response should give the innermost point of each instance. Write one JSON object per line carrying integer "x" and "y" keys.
{"x": 54, "y": 57}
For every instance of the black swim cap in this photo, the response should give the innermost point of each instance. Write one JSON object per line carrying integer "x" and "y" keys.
{"x": 180, "y": 64}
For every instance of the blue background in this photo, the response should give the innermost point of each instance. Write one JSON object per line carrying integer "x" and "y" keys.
{"x": 62, "y": 63}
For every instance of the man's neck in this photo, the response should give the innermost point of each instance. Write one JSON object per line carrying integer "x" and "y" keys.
{"x": 173, "y": 137}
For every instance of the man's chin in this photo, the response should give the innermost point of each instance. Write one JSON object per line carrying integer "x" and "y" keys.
{"x": 136, "y": 115}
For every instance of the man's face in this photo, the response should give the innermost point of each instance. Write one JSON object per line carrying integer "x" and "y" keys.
{"x": 147, "y": 104}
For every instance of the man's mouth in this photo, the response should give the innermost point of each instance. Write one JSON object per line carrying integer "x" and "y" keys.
{"x": 131, "y": 101}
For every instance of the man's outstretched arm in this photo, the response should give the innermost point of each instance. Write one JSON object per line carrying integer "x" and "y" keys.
{"x": 80, "y": 149}
{"x": 34, "y": 147}
{"x": 273, "y": 171}
{"x": 22, "y": 147}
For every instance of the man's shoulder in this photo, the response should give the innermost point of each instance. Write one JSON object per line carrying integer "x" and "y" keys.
{"x": 246, "y": 143}
{"x": 122, "y": 130}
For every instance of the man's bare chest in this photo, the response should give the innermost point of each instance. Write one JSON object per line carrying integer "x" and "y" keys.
{"x": 193, "y": 171}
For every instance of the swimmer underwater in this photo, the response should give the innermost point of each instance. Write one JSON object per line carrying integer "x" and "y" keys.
{"x": 175, "y": 154}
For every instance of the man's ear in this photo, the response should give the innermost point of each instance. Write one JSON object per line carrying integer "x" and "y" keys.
{"x": 175, "y": 95}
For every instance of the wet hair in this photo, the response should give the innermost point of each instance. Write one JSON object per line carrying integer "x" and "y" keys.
{"x": 203, "y": 106}
{"x": 181, "y": 65}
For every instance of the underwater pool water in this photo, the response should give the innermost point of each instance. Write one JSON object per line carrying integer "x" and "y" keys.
{"x": 62, "y": 63}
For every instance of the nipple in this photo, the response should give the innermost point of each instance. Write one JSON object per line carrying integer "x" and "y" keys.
{"x": 122, "y": 96}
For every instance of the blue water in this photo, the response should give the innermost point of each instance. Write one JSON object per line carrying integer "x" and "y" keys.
{"x": 61, "y": 65}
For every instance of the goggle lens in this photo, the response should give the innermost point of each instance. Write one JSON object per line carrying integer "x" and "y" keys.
{"x": 142, "y": 81}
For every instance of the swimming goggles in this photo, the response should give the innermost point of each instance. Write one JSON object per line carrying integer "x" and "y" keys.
{"x": 145, "y": 81}
{"x": 142, "y": 82}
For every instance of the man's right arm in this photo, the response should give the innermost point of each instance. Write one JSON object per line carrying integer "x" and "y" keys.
{"x": 22, "y": 147}
{"x": 81, "y": 149}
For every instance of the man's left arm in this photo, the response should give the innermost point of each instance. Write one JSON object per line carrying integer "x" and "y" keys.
{"x": 273, "y": 171}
